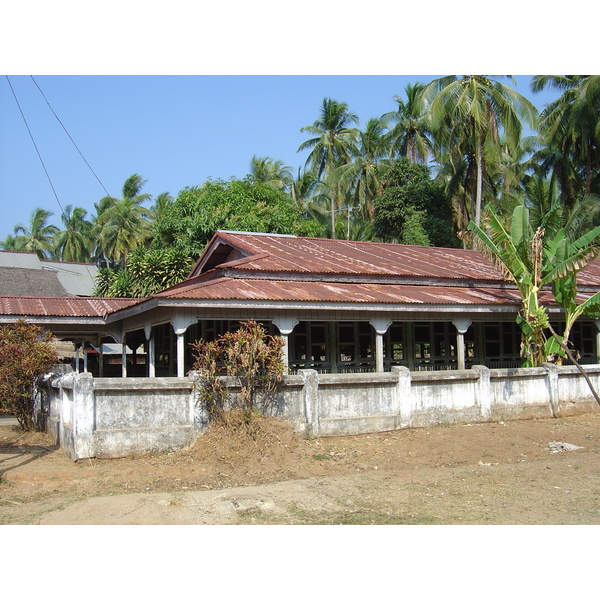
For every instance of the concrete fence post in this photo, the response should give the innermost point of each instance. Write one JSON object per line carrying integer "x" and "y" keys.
{"x": 83, "y": 416}
{"x": 310, "y": 393}
{"x": 483, "y": 391}
{"x": 552, "y": 382}
{"x": 199, "y": 416}
{"x": 402, "y": 398}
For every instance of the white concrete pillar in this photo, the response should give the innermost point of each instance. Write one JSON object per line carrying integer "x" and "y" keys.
{"x": 77, "y": 347}
{"x": 100, "y": 360}
{"x": 380, "y": 325}
{"x": 310, "y": 394}
{"x": 151, "y": 358}
{"x": 85, "y": 359}
{"x": 285, "y": 324}
{"x": 124, "y": 356}
{"x": 181, "y": 354}
{"x": 379, "y": 352}
{"x": 83, "y": 417}
{"x": 180, "y": 325}
{"x": 483, "y": 391}
{"x": 462, "y": 325}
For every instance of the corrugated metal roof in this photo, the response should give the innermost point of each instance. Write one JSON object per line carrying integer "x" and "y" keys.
{"x": 61, "y": 307}
{"x": 78, "y": 279}
{"x": 273, "y": 253}
{"x": 23, "y": 260}
{"x": 228, "y": 288}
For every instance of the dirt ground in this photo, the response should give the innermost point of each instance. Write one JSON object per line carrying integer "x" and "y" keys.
{"x": 493, "y": 473}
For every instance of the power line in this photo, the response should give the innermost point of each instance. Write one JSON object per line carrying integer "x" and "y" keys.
{"x": 40, "y": 156}
{"x": 34, "y": 144}
{"x": 69, "y": 135}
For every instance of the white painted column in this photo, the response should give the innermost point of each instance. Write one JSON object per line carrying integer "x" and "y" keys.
{"x": 124, "y": 356}
{"x": 85, "y": 359}
{"x": 380, "y": 325}
{"x": 285, "y": 324}
{"x": 151, "y": 351}
{"x": 180, "y": 325}
{"x": 77, "y": 358}
{"x": 462, "y": 325}
{"x": 181, "y": 354}
{"x": 100, "y": 360}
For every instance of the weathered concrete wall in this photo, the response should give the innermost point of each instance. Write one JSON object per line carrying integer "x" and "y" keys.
{"x": 123, "y": 417}
{"x": 111, "y": 418}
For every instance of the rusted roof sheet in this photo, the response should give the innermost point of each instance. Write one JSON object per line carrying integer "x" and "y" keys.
{"x": 280, "y": 253}
{"x": 590, "y": 275}
{"x": 61, "y": 307}
{"x": 228, "y": 288}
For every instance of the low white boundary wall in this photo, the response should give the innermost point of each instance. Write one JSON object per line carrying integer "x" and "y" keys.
{"x": 110, "y": 418}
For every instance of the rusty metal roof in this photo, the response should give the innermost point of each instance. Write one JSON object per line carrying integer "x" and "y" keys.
{"x": 288, "y": 269}
{"x": 290, "y": 254}
{"x": 228, "y": 288}
{"x": 61, "y": 307}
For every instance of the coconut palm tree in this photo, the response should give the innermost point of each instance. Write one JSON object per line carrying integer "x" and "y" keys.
{"x": 74, "y": 243}
{"x": 11, "y": 243}
{"x": 333, "y": 144}
{"x": 272, "y": 173}
{"x": 361, "y": 179}
{"x": 476, "y": 108}
{"x": 410, "y": 135}
{"x": 302, "y": 188}
{"x": 570, "y": 130}
{"x": 160, "y": 205}
{"x": 38, "y": 236}
{"x": 122, "y": 225}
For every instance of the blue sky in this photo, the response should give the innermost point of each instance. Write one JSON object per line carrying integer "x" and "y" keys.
{"x": 175, "y": 131}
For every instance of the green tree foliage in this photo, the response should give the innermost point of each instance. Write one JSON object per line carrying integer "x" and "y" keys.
{"x": 410, "y": 136}
{"x": 75, "y": 242}
{"x": 360, "y": 180}
{"x": 412, "y": 209}
{"x": 570, "y": 134}
{"x": 26, "y": 353}
{"x": 249, "y": 355}
{"x": 518, "y": 253}
{"x": 149, "y": 270}
{"x": 122, "y": 225}
{"x": 273, "y": 173}
{"x": 333, "y": 145}
{"x": 468, "y": 114}
{"x": 239, "y": 205}
{"x": 534, "y": 254}
{"x": 38, "y": 236}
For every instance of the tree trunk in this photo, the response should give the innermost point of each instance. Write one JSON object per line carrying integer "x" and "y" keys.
{"x": 479, "y": 159}
{"x": 332, "y": 200}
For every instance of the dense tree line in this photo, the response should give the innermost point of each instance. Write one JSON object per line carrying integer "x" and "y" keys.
{"x": 451, "y": 151}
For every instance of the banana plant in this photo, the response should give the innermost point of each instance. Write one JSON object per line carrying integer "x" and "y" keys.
{"x": 518, "y": 255}
{"x": 532, "y": 261}
{"x": 563, "y": 260}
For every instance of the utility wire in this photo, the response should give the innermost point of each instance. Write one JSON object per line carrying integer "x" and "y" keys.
{"x": 34, "y": 144}
{"x": 38, "y": 152}
{"x": 69, "y": 135}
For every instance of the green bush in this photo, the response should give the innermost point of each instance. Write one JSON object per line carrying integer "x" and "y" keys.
{"x": 26, "y": 353}
{"x": 250, "y": 355}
